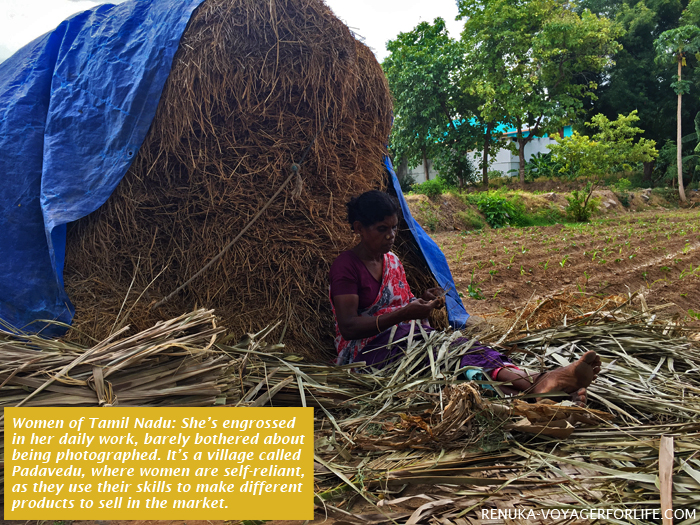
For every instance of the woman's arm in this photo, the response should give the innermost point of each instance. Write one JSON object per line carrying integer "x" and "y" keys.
{"x": 353, "y": 326}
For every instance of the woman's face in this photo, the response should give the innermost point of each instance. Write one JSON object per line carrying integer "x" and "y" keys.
{"x": 380, "y": 236}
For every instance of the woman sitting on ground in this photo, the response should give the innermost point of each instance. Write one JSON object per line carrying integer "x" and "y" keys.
{"x": 370, "y": 295}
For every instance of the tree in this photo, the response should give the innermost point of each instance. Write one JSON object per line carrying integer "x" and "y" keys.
{"x": 691, "y": 15}
{"x": 607, "y": 151}
{"x": 423, "y": 71}
{"x": 636, "y": 80}
{"x": 672, "y": 47}
{"x": 489, "y": 113}
{"x": 451, "y": 158}
{"x": 531, "y": 61}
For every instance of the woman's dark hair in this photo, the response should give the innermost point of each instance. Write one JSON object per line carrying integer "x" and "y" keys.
{"x": 372, "y": 207}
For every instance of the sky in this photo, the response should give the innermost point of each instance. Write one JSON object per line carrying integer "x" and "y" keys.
{"x": 374, "y": 21}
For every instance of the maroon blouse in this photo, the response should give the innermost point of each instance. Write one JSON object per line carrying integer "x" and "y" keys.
{"x": 350, "y": 276}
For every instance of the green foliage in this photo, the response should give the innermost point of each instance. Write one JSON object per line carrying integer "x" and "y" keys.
{"x": 691, "y": 157}
{"x": 541, "y": 165}
{"x": 668, "y": 194}
{"x": 623, "y": 185}
{"x": 666, "y": 165}
{"x": 498, "y": 179}
{"x": 430, "y": 216}
{"x": 581, "y": 205}
{"x": 620, "y": 188}
{"x": 497, "y": 210}
{"x": 544, "y": 217}
{"x": 407, "y": 182}
{"x": 666, "y": 162}
{"x": 431, "y": 188}
{"x": 423, "y": 70}
{"x": 626, "y": 85}
{"x": 473, "y": 290}
{"x": 501, "y": 209}
{"x": 673, "y": 46}
{"x": 454, "y": 166}
{"x": 527, "y": 60}
{"x": 607, "y": 151}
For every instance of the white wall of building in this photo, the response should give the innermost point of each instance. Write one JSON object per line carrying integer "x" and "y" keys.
{"x": 503, "y": 162}
{"x": 506, "y": 161}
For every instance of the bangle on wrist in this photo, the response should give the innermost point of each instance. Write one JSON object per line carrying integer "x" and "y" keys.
{"x": 379, "y": 330}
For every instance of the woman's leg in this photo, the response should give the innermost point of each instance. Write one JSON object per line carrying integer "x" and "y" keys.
{"x": 572, "y": 379}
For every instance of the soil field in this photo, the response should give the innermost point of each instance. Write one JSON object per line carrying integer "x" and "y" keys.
{"x": 655, "y": 253}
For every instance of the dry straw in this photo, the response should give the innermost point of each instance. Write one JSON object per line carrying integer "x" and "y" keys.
{"x": 252, "y": 84}
{"x": 174, "y": 363}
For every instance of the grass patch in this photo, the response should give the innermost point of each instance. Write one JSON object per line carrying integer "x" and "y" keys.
{"x": 544, "y": 217}
{"x": 503, "y": 208}
{"x": 470, "y": 219}
{"x": 430, "y": 216}
{"x": 670, "y": 195}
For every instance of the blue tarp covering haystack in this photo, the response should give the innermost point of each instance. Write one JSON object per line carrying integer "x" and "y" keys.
{"x": 76, "y": 106}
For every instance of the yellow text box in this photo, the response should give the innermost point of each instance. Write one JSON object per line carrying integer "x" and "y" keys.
{"x": 159, "y": 463}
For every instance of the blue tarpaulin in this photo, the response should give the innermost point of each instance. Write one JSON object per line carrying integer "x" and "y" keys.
{"x": 434, "y": 257}
{"x": 75, "y": 106}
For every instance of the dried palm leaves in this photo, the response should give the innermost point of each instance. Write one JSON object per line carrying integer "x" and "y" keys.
{"x": 173, "y": 363}
{"x": 607, "y": 457}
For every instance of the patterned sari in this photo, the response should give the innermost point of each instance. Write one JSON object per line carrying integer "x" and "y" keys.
{"x": 378, "y": 350}
{"x": 394, "y": 293}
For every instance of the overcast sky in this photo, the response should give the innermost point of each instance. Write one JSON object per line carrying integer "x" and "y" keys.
{"x": 376, "y": 21}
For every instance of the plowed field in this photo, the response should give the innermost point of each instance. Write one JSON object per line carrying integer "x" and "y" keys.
{"x": 656, "y": 253}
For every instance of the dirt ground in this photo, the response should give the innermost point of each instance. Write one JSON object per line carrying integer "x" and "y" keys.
{"x": 654, "y": 252}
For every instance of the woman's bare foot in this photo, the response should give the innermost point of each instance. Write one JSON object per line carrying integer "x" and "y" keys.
{"x": 572, "y": 378}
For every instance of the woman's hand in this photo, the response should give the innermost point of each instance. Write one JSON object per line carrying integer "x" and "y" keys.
{"x": 353, "y": 326}
{"x": 420, "y": 308}
{"x": 435, "y": 293}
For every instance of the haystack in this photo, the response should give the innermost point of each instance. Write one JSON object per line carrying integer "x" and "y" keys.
{"x": 254, "y": 85}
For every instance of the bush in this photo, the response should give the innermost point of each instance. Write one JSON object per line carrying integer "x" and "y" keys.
{"x": 541, "y": 165}
{"x": 510, "y": 210}
{"x": 609, "y": 150}
{"x": 546, "y": 216}
{"x": 581, "y": 204}
{"x": 407, "y": 182}
{"x": 455, "y": 168}
{"x": 496, "y": 209}
{"x": 430, "y": 216}
{"x": 431, "y": 188}
{"x": 497, "y": 179}
{"x": 668, "y": 194}
{"x": 620, "y": 188}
